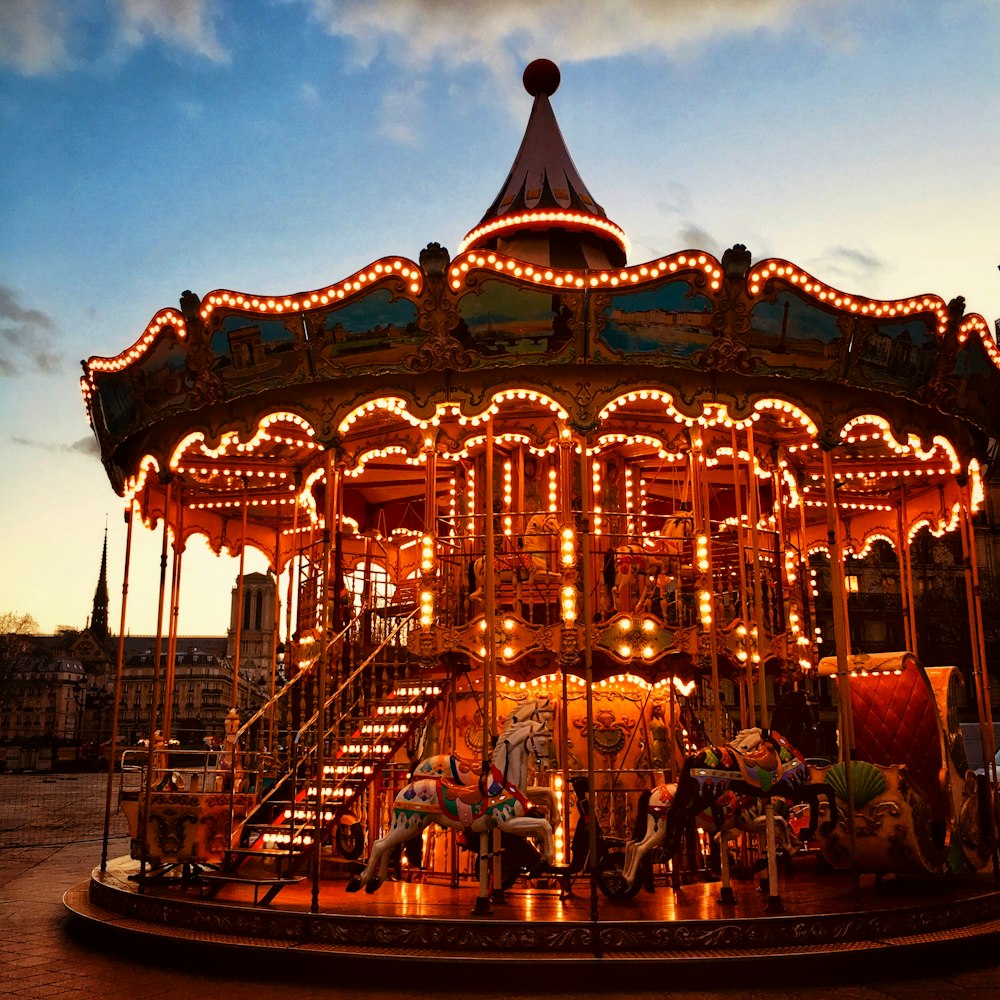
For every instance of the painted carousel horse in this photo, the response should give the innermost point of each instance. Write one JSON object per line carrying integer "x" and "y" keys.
{"x": 645, "y": 572}
{"x": 530, "y": 564}
{"x": 496, "y": 801}
{"x": 729, "y": 817}
{"x": 461, "y": 770}
{"x": 630, "y": 570}
{"x": 663, "y": 554}
{"x": 771, "y": 769}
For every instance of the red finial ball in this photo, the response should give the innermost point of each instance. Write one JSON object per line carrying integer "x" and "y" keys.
{"x": 541, "y": 77}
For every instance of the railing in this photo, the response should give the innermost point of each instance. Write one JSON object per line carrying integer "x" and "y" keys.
{"x": 640, "y": 572}
{"x": 279, "y": 771}
{"x": 348, "y": 700}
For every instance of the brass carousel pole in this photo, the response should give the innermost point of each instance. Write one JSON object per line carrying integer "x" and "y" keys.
{"x": 151, "y": 754}
{"x": 905, "y": 595}
{"x": 905, "y": 548}
{"x": 294, "y": 570}
{"x": 979, "y": 663}
{"x": 239, "y": 603}
{"x": 703, "y": 558}
{"x": 758, "y": 592}
{"x": 119, "y": 667}
{"x": 271, "y": 741}
{"x": 325, "y": 653}
{"x": 842, "y": 640}
{"x": 746, "y": 709}
{"x": 774, "y": 904}
{"x": 483, "y": 904}
{"x": 588, "y": 675}
{"x": 175, "y": 608}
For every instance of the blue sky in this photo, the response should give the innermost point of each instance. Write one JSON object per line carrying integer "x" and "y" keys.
{"x": 149, "y": 146}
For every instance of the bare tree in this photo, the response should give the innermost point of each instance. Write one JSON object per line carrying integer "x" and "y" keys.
{"x": 16, "y": 630}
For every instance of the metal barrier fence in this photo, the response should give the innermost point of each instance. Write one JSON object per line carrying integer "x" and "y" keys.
{"x": 38, "y": 810}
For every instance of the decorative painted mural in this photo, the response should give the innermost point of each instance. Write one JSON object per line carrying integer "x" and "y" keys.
{"x": 670, "y": 319}
{"x": 506, "y": 319}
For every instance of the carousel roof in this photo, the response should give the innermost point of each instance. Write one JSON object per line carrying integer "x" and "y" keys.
{"x": 235, "y": 402}
{"x": 544, "y": 212}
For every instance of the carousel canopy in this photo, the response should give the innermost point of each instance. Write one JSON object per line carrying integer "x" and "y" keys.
{"x": 233, "y": 405}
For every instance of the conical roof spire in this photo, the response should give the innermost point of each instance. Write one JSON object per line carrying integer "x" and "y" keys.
{"x": 99, "y": 614}
{"x": 544, "y": 212}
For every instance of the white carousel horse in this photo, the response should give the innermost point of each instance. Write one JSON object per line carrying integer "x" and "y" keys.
{"x": 530, "y": 564}
{"x": 497, "y": 801}
{"x": 462, "y": 771}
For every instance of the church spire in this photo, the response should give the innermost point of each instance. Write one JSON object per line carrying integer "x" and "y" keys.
{"x": 99, "y": 615}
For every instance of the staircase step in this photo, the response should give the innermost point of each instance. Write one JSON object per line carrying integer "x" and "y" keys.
{"x": 264, "y": 852}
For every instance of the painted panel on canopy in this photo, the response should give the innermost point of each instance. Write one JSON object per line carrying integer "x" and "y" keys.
{"x": 380, "y": 328}
{"x": 976, "y": 381}
{"x": 792, "y": 335}
{"x": 255, "y": 351}
{"x": 506, "y": 319}
{"x": 139, "y": 393}
{"x": 894, "y": 356}
{"x": 669, "y": 319}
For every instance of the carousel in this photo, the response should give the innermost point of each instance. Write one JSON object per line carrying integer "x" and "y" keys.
{"x": 544, "y": 529}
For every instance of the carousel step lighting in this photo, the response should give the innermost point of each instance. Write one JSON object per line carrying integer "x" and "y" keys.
{"x": 400, "y": 709}
{"x": 373, "y": 729}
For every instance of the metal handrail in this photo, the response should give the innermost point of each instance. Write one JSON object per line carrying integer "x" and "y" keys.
{"x": 314, "y": 718}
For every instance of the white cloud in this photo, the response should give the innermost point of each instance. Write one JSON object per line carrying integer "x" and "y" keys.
{"x": 182, "y": 24}
{"x": 309, "y": 93}
{"x": 32, "y": 36}
{"x": 499, "y": 38}
{"x": 37, "y": 36}
{"x": 400, "y": 114}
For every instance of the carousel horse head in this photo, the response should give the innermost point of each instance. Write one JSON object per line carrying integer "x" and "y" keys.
{"x": 532, "y": 709}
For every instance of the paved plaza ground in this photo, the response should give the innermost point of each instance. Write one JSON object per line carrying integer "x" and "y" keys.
{"x": 45, "y": 953}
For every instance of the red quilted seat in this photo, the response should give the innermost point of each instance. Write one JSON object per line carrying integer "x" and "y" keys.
{"x": 896, "y": 722}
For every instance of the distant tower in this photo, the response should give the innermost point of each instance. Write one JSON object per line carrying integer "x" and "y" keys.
{"x": 256, "y": 627}
{"x": 99, "y": 615}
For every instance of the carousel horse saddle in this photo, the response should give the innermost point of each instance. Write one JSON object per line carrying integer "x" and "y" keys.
{"x": 761, "y": 767}
{"x": 464, "y": 802}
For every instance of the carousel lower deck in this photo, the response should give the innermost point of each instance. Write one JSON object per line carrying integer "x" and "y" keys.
{"x": 823, "y": 916}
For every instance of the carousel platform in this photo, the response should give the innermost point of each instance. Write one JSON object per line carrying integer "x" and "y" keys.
{"x": 826, "y": 918}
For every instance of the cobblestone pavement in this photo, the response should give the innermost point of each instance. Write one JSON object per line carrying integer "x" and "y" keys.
{"x": 46, "y": 953}
{"x": 37, "y": 809}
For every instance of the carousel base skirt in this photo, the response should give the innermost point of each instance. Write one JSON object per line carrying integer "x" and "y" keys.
{"x": 818, "y": 917}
